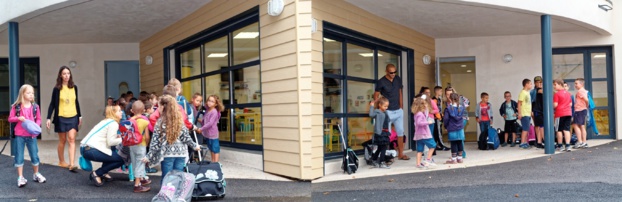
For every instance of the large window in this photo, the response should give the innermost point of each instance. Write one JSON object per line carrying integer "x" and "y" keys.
{"x": 351, "y": 68}
{"x": 29, "y": 75}
{"x": 226, "y": 63}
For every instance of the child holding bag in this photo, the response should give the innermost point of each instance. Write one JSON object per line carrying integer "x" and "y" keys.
{"x": 26, "y": 119}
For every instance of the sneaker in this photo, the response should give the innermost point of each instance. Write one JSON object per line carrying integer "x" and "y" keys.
{"x": 567, "y": 148}
{"x": 141, "y": 188}
{"x": 584, "y": 145}
{"x": 451, "y": 161}
{"x": 577, "y": 145}
{"x": 504, "y": 144}
{"x": 375, "y": 164}
{"x": 37, "y": 177}
{"x": 384, "y": 165}
{"x": 524, "y": 146}
{"x": 420, "y": 166}
{"x": 21, "y": 182}
{"x": 512, "y": 144}
{"x": 559, "y": 148}
{"x": 430, "y": 162}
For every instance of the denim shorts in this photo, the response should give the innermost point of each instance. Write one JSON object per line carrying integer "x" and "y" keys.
{"x": 525, "y": 123}
{"x": 425, "y": 142}
{"x": 213, "y": 145}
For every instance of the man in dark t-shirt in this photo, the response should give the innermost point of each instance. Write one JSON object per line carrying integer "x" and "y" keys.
{"x": 390, "y": 86}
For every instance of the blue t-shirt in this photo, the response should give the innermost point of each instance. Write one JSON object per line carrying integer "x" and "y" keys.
{"x": 509, "y": 112}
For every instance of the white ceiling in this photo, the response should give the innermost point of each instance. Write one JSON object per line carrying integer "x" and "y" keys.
{"x": 453, "y": 19}
{"x": 100, "y": 21}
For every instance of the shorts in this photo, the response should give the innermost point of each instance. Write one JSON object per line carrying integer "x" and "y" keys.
{"x": 525, "y": 123}
{"x": 425, "y": 142}
{"x": 579, "y": 117}
{"x": 538, "y": 119}
{"x": 66, "y": 124}
{"x": 563, "y": 123}
{"x": 510, "y": 126}
{"x": 213, "y": 145}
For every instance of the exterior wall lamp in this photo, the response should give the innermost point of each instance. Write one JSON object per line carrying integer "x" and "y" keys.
{"x": 606, "y": 7}
{"x": 275, "y": 7}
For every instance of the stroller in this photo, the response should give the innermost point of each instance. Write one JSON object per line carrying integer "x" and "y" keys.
{"x": 370, "y": 148}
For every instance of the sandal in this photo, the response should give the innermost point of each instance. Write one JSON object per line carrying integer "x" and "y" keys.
{"x": 107, "y": 177}
{"x": 63, "y": 165}
{"x": 404, "y": 157}
{"x": 73, "y": 169}
{"x": 94, "y": 178}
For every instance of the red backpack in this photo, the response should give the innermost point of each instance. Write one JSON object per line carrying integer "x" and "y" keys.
{"x": 130, "y": 134}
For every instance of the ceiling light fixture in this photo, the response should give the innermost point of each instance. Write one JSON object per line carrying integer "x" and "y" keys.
{"x": 469, "y": 71}
{"x": 600, "y": 56}
{"x": 217, "y": 55}
{"x": 369, "y": 55}
{"x": 462, "y": 65}
{"x": 246, "y": 35}
{"x": 328, "y": 40}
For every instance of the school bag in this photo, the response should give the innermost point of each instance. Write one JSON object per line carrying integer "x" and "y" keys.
{"x": 482, "y": 141}
{"x": 18, "y": 108}
{"x": 177, "y": 186}
{"x": 590, "y": 115}
{"x": 493, "y": 139}
{"x": 350, "y": 162}
{"x": 130, "y": 134}
{"x": 531, "y": 136}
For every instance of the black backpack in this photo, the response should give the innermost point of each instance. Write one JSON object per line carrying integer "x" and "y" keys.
{"x": 482, "y": 141}
{"x": 17, "y": 114}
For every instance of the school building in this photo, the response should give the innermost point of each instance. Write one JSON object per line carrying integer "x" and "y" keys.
{"x": 290, "y": 71}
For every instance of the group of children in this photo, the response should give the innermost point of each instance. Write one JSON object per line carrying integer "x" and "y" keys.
{"x": 145, "y": 111}
{"x": 568, "y": 113}
{"x": 426, "y": 112}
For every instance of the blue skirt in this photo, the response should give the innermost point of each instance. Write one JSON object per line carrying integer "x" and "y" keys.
{"x": 64, "y": 125}
{"x": 456, "y": 135}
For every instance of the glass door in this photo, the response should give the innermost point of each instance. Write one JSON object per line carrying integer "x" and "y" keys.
{"x": 595, "y": 66}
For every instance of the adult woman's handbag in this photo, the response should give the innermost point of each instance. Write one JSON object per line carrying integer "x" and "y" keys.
{"x": 85, "y": 164}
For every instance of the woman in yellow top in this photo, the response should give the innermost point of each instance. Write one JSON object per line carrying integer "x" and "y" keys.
{"x": 65, "y": 107}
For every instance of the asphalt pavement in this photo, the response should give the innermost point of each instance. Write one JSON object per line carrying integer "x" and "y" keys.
{"x": 63, "y": 185}
{"x": 592, "y": 174}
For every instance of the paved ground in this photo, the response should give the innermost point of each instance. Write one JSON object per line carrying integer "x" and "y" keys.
{"x": 63, "y": 185}
{"x": 589, "y": 174}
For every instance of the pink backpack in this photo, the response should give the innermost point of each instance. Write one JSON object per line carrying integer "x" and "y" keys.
{"x": 532, "y": 134}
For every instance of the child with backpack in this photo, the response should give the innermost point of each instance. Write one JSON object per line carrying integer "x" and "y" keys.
{"x": 423, "y": 136}
{"x": 454, "y": 123}
{"x": 137, "y": 152}
{"x": 210, "y": 125}
{"x": 509, "y": 111}
{"x": 170, "y": 138}
{"x": 26, "y": 120}
{"x": 483, "y": 113}
{"x": 381, "y": 130}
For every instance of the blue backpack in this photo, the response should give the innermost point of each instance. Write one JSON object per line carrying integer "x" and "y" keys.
{"x": 493, "y": 139}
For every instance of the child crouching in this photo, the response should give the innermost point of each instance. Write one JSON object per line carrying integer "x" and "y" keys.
{"x": 423, "y": 136}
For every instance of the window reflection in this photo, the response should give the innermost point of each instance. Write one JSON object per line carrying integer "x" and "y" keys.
{"x": 246, "y": 44}
{"x": 190, "y": 63}
{"x": 247, "y": 85}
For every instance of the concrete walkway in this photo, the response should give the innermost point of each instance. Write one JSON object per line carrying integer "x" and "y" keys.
{"x": 234, "y": 170}
{"x": 474, "y": 158}
{"x": 231, "y": 169}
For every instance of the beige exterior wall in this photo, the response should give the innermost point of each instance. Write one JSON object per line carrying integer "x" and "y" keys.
{"x": 87, "y": 75}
